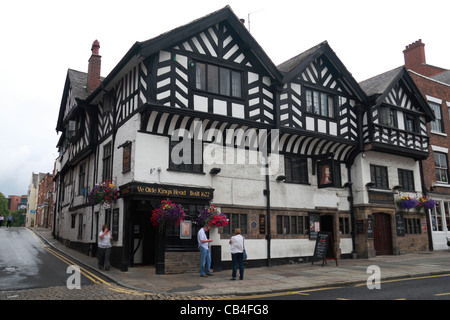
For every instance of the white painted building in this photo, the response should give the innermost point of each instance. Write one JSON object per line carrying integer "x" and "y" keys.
{"x": 212, "y": 84}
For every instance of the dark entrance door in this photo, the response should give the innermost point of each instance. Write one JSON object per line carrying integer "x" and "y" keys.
{"x": 144, "y": 234}
{"x": 382, "y": 235}
{"x": 327, "y": 225}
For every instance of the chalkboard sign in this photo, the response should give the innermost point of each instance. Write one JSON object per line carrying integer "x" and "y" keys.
{"x": 400, "y": 225}
{"x": 324, "y": 242}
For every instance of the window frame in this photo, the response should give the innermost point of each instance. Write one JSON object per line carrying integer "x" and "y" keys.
{"x": 408, "y": 184}
{"x": 375, "y": 177}
{"x": 314, "y": 100}
{"x": 301, "y": 175}
{"x": 441, "y": 168}
{"x": 292, "y": 224}
{"x": 436, "y": 125}
{"x": 107, "y": 162}
{"x": 387, "y": 112}
{"x": 214, "y": 82}
{"x": 81, "y": 179}
{"x": 186, "y": 167}
{"x": 236, "y": 220}
{"x": 411, "y": 120}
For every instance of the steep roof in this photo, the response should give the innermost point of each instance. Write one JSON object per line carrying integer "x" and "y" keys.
{"x": 294, "y": 66}
{"x": 141, "y": 50}
{"x": 379, "y": 86}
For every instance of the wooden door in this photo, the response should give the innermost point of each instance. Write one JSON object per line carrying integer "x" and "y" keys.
{"x": 382, "y": 235}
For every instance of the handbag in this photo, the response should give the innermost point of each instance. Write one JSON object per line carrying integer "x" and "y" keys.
{"x": 244, "y": 253}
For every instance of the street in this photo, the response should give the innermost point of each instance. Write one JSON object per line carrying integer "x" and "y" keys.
{"x": 433, "y": 287}
{"x": 31, "y": 270}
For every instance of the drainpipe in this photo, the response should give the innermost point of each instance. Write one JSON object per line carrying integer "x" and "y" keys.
{"x": 267, "y": 194}
{"x": 425, "y": 191}
{"x": 349, "y": 184}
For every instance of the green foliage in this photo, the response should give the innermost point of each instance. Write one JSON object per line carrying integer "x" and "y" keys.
{"x": 3, "y": 205}
{"x": 18, "y": 217}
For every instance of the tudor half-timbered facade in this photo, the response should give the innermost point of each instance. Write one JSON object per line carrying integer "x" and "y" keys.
{"x": 395, "y": 141}
{"x": 201, "y": 115}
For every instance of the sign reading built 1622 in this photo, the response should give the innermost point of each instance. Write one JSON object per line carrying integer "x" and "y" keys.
{"x": 167, "y": 191}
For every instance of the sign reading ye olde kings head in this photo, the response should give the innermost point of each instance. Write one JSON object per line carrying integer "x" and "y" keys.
{"x": 167, "y": 191}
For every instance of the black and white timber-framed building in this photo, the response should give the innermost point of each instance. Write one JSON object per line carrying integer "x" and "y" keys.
{"x": 211, "y": 82}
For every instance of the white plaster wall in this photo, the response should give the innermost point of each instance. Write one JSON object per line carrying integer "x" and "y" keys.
{"x": 361, "y": 172}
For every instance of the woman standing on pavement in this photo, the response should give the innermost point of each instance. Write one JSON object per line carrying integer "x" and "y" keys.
{"x": 104, "y": 248}
{"x": 237, "y": 254}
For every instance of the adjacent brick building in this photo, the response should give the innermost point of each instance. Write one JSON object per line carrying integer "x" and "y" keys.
{"x": 44, "y": 212}
{"x": 432, "y": 83}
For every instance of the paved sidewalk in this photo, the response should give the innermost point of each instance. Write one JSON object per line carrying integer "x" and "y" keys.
{"x": 264, "y": 280}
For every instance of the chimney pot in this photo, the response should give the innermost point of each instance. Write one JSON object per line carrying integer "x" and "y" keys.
{"x": 93, "y": 75}
{"x": 414, "y": 54}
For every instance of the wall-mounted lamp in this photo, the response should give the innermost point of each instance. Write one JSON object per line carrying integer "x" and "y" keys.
{"x": 370, "y": 184}
{"x": 281, "y": 178}
{"x": 215, "y": 170}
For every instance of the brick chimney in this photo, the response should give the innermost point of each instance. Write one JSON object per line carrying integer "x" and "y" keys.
{"x": 93, "y": 75}
{"x": 414, "y": 55}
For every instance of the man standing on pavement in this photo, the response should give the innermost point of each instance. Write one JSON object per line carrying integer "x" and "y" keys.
{"x": 203, "y": 246}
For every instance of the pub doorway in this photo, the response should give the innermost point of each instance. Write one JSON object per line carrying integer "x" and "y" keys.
{"x": 144, "y": 235}
{"x": 382, "y": 234}
{"x": 327, "y": 225}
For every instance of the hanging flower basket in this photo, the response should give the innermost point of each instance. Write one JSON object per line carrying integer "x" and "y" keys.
{"x": 426, "y": 203}
{"x": 103, "y": 193}
{"x": 212, "y": 217}
{"x": 167, "y": 214}
{"x": 406, "y": 202}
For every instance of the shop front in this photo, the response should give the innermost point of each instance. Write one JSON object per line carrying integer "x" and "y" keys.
{"x": 169, "y": 250}
{"x": 383, "y": 228}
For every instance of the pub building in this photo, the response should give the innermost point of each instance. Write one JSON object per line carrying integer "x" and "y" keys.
{"x": 200, "y": 115}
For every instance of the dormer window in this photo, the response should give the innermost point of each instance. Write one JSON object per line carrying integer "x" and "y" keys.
{"x": 218, "y": 80}
{"x": 319, "y": 103}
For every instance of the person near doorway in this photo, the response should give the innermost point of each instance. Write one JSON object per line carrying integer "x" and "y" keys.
{"x": 237, "y": 254}
{"x": 104, "y": 248}
{"x": 2, "y": 218}
{"x": 203, "y": 246}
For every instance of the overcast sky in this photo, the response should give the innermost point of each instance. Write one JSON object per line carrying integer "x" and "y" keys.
{"x": 41, "y": 39}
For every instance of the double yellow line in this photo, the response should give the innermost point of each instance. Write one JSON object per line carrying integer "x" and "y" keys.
{"x": 95, "y": 279}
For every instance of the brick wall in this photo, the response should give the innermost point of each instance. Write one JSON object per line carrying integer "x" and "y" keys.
{"x": 181, "y": 262}
{"x": 429, "y": 87}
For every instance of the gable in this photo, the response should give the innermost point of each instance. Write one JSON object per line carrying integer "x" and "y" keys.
{"x": 399, "y": 96}
{"x": 74, "y": 88}
{"x": 319, "y": 73}
{"x": 219, "y": 42}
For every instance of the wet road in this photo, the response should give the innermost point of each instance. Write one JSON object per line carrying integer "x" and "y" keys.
{"x": 27, "y": 263}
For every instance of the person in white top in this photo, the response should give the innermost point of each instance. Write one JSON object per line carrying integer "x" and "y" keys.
{"x": 237, "y": 254}
{"x": 104, "y": 248}
{"x": 203, "y": 246}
